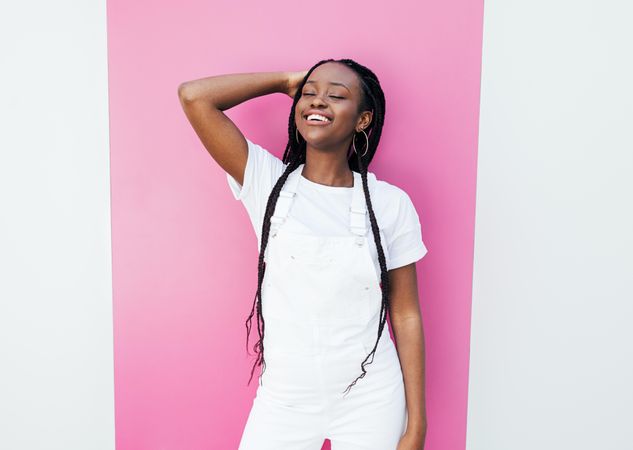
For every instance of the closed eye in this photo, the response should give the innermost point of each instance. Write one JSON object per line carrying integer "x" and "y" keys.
{"x": 333, "y": 96}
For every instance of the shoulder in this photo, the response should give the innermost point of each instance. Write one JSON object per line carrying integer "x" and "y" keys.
{"x": 262, "y": 170}
{"x": 394, "y": 210}
{"x": 265, "y": 159}
{"x": 387, "y": 196}
{"x": 388, "y": 190}
{"x": 399, "y": 221}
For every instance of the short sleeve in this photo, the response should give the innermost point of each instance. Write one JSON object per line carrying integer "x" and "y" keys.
{"x": 404, "y": 240}
{"x": 262, "y": 171}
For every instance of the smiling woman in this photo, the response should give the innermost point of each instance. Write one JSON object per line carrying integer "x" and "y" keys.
{"x": 337, "y": 251}
{"x": 335, "y": 91}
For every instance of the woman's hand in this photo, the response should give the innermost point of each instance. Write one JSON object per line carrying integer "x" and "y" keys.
{"x": 411, "y": 441}
{"x": 294, "y": 79}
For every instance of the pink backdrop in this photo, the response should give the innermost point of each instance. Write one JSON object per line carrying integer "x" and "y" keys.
{"x": 184, "y": 253}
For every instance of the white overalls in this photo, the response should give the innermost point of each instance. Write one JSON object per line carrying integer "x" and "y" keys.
{"x": 321, "y": 303}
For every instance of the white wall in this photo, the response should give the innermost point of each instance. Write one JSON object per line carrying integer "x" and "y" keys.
{"x": 56, "y": 366}
{"x": 551, "y": 354}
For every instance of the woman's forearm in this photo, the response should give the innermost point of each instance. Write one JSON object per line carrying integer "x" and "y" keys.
{"x": 227, "y": 90}
{"x": 410, "y": 342}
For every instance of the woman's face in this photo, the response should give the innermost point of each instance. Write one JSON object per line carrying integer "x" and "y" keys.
{"x": 333, "y": 91}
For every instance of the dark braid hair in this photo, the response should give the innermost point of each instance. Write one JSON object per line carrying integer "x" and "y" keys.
{"x": 372, "y": 98}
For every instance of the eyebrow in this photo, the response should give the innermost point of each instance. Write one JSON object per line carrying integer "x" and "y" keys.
{"x": 336, "y": 83}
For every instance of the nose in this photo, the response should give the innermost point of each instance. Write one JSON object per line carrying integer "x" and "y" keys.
{"x": 317, "y": 100}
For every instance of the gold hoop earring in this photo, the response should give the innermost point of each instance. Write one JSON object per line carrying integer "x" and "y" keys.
{"x": 297, "y": 136}
{"x": 366, "y": 146}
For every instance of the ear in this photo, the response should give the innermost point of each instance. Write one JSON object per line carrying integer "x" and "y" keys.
{"x": 364, "y": 120}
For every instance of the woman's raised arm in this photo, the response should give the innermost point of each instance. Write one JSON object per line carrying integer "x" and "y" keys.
{"x": 203, "y": 101}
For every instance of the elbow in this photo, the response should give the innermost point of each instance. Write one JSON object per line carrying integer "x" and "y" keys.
{"x": 184, "y": 92}
{"x": 182, "y": 88}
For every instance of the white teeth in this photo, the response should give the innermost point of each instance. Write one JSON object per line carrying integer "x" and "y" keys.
{"x": 317, "y": 117}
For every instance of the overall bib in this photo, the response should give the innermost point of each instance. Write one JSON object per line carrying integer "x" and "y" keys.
{"x": 321, "y": 302}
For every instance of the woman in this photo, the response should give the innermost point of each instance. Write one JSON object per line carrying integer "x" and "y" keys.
{"x": 337, "y": 251}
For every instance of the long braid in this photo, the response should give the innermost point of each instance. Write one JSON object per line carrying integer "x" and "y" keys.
{"x": 384, "y": 279}
{"x": 257, "y": 303}
{"x": 373, "y": 99}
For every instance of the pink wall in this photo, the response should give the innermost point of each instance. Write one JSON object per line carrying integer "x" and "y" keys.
{"x": 184, "y": 253}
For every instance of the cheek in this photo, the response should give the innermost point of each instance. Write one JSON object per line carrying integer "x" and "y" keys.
{"x": 298, "y": 108}
{"x": 346, "y": 118}
{"x": 345, "y": 110}
{"x": 298, "y": 120}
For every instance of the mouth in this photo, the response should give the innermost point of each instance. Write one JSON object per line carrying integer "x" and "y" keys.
{"x": 317, "y": 119}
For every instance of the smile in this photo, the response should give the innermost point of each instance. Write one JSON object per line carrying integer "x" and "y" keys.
{"x": 317, "y": 119}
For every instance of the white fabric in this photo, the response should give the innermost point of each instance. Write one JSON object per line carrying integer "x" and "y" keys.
{"x": 321, "y": 302}
{"x": 323, "y": 210}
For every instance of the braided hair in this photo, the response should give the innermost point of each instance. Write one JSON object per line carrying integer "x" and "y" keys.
{"x": 372, "y": 98}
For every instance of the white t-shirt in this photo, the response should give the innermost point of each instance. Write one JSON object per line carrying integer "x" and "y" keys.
{"x": 323, "y": 210}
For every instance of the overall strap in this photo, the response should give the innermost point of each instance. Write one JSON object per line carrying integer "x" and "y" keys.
{"x": 286, "y": 196}
{"x": 358, "y": 210}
